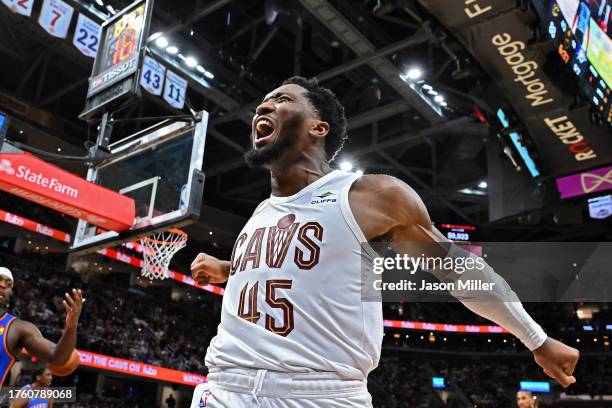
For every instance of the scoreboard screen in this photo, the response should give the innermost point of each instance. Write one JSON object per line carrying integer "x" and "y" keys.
{"x": 119, "y": 57}
{"x": 458, "y": 232}
{"x": 120, "y": 41}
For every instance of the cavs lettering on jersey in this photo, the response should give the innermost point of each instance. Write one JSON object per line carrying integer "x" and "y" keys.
{"x": 6, "y": 358}
{"x": 36, "y": 402}
{"x": 293, "y": 299}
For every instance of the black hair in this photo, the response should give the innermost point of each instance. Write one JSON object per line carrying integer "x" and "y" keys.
{"x": 329, "y": 109}
{"x": 39, "y": 369}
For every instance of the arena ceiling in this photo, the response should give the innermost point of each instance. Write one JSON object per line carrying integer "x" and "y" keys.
{"x": 357, "y": 48}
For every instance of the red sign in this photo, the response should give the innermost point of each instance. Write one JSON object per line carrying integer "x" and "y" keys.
{"x": 119, "y": 365}
{"x": 34, "y": 226}
{"x": 36, "y": 180}
{"x": 443, "y": 327}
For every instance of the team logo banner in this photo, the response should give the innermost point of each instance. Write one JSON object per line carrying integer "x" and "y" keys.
{"x": 23, "y": 7}
{"x": 152, "y": 76}
{"x": 175, "y": 90}
{"x": 55, "y": 17}
{"x": 591, "y": 181}
{"x": 87, "y": 36}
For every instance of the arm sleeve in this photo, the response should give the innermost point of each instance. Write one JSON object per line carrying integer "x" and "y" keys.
{"x": 500, "y": 305}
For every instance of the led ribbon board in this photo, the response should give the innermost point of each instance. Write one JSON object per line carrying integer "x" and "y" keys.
{"x": 115, "y": 71}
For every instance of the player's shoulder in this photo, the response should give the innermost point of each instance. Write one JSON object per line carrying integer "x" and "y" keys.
{"x": 22, "y": 326}
{"x": 384, "y": 187}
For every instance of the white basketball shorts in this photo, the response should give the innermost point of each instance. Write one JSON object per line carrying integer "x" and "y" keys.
{"x": 247, "y": 388}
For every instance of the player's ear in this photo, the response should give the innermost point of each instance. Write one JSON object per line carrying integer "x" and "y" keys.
{"x": 319, "y": 129}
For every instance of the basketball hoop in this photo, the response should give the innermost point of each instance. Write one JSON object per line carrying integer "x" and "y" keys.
{"x": 158, "y": 250}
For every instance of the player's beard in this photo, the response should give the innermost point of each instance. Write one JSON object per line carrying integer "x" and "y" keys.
{"x": 273, "y": 151}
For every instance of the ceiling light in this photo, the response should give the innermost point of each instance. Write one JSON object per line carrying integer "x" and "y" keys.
{"x": 426, "y": 87}
{"x": 100, "y": 2}
{"x": 172, "y": 50}
{"x": 443, "y": 103}
{"x": 359, "y": 173}
{"x": 59, "y": 149}
{"x": 346, "y": 166}
{"x": 209, "y": 75}
{"x": 191, "y": 62}
{"x": 482, "y": 184}
{"x": 414, "y": 73}
{"x": 111, "y": 9}
{"x": 200, "y": 69}
{"x": 439, "y": 98}
{"x": 161, "y": 42}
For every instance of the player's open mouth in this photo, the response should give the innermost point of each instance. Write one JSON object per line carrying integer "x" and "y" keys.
{"x": 264, "y": 131}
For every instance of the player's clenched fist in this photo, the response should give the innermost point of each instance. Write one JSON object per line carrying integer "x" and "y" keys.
{"x": 207, "y": 269}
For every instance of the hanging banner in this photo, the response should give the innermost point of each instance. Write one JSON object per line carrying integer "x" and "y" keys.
{"x": 457, "y": 14}
{"x": 499, "y": 39}
{"x": 55, "y": 17}
{"x": 23, "y": 7}
{"x": 87, "y": 36}
{"x": 175, "y": 90}
{"x": 152, "y": 76}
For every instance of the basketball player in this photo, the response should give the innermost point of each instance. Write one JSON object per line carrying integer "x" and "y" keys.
{"x": 294, "y": 331}
{"x": 524, "y": 399}
{"x": 16, "y": 334}
{"x": 41, "y": 380}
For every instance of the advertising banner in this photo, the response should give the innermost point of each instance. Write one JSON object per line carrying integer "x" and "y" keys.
{"x": 499, "y": 39}
{"x": 587, "y": 182}
{"x": 119, "y": 365}
{"x": 34, "y": 226}
{"x": 443, "y": 327}
{"x": 36, "y": 180}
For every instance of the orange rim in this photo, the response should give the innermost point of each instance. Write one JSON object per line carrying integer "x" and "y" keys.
{"x": 173, "y": 230}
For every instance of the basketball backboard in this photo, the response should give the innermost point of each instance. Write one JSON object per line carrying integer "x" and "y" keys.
{"x": 161, "y": 169}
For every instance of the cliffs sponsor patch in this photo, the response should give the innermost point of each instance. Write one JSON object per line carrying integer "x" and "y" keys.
{"x": 324, "y": 197}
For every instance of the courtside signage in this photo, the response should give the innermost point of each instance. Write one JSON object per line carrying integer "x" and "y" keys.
{"x": 587, "y": 182}
{"x": 443, "y": 327}
{"x": 33, "y": 226}
{"x": 29, "y": 177}
{"x": 137, "y": 369}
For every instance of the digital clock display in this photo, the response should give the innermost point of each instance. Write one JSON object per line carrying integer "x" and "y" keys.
{"x": 121, "y": 39}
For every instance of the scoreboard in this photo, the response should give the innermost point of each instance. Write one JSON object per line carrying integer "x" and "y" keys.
{"x": 455, "y": 232}
{"x": 114, "y": 77}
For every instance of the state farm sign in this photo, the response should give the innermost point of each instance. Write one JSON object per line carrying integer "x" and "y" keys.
{"x": 28, "y": 177}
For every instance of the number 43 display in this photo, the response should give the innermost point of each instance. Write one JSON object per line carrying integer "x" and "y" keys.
{"x": 152, "y": 80}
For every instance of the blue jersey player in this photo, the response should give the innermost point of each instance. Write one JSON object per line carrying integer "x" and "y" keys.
{"x": 17, "y": 334}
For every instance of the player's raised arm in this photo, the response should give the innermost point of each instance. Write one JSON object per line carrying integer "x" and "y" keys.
{"x": 56, "y": 354}
{"x": 408, "y": 222}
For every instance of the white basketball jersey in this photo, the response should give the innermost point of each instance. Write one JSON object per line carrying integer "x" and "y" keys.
{"x": 293, "y": 298}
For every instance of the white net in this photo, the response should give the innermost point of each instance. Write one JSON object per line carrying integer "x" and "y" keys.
{"x": 158, "y": 249}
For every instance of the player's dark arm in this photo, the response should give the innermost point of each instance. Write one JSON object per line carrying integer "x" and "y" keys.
{"x": 33, "y": 341}
{"x": 402, "y": 218}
